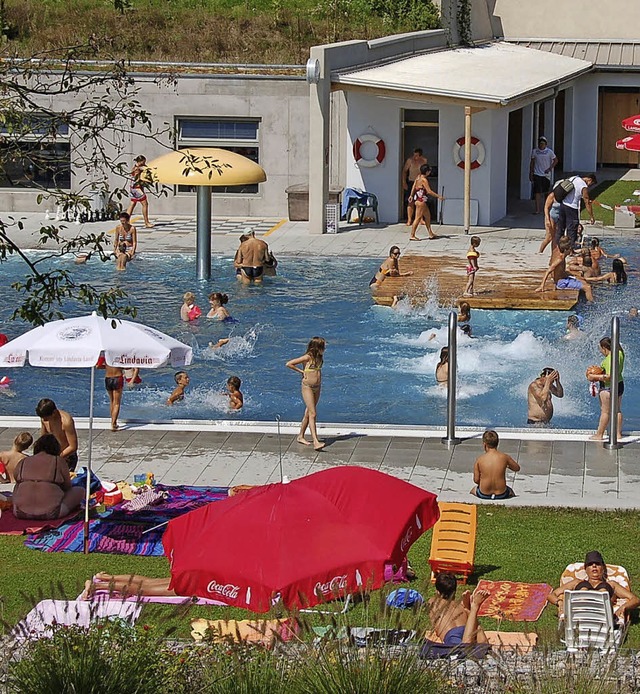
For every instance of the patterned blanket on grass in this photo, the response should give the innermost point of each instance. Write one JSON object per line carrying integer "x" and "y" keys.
{"x": 118, "y": 531}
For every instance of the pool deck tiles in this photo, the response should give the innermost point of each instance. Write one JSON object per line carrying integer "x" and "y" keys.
{"x": 562, "y": 473}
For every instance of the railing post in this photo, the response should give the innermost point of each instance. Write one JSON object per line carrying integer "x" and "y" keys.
{"x": 613, "y": 443}
{"x": 450, "y": 439}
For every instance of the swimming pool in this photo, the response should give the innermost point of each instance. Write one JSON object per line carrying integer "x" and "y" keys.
{"x": 379, "y": 363}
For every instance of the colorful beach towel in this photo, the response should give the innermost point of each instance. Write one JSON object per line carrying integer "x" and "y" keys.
{"x": 10, "y": 525}
{"x": 121, "y": 531}
{"x": 517, "y": 602}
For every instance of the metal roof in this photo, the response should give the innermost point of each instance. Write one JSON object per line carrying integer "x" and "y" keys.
{"x": 605, "y": 55}
{"x": 492, "y": 75}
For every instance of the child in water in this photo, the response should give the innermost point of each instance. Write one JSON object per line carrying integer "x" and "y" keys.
{"x": 182, "y": 381}
{"x": 189, "y": 311}
{"x": 236, "y": 399}
{"x": 472, "y": 265}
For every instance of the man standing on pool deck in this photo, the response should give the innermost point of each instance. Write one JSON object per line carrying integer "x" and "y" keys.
{"x": 540, "y": 406}
{"x": 251, "y": 258}
{"x": 543, "y": 162}
{"x": 490, "y": 470}
{"x": 569, "y": 217}
{"x": 561, "y": 278}
{"x": 61, "y": 425}
{"x": 411, "y": 171}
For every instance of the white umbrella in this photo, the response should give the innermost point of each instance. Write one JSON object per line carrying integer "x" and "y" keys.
{"x": 79, "y": 342}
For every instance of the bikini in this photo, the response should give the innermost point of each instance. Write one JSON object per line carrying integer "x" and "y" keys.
{"x": 381, "y": 271}
{"x": 603, "y": 585}
{"x": 311, "y": 367}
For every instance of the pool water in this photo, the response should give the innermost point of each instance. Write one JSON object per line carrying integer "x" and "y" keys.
{"x": 379, "y": 364}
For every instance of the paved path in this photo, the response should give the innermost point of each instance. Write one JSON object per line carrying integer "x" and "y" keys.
{"x": 559, "y": 469}
{"x": 559, "y": 472}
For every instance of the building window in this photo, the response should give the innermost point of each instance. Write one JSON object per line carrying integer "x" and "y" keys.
{"x": 35, "y": 153}
{"x": 235, "y": 134}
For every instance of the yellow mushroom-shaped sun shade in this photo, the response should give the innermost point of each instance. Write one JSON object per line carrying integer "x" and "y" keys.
{"x": 204, "y": 166}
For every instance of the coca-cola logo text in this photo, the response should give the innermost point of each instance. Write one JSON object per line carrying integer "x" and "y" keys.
{"x": 227, "y": 590}
{"x": 406, "y": 540}
{"x": 334, "y": 585}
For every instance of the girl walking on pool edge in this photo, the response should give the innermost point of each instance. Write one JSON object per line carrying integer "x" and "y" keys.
{"x": 312, "y": 360}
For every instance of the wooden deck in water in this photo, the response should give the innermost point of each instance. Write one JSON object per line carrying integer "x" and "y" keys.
{"x": 507, "y": 287}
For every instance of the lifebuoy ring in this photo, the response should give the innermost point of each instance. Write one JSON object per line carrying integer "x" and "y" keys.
{"x": 477, "y": 162}
{"x": 357, "y": 154}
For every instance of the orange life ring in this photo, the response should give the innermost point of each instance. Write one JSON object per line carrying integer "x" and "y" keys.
{"x": 357, "y": 154}
{"x": 477, "y": 162}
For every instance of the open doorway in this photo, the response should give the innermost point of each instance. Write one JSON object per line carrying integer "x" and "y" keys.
{"x": 514, "y": 159}
{"x": 420, "y": 129}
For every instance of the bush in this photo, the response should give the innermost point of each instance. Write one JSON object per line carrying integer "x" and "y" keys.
{"x": 110, "y": 657}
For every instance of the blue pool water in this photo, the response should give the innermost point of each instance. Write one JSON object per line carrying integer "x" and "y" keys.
{"x": 379, "y": 363}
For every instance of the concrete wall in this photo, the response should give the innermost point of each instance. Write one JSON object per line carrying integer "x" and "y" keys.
{"x": 281, "y": 104}
{"x": 617, "y": 19}
{"x": 367, "y": 114}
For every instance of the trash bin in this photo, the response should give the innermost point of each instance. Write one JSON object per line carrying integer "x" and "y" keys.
{"x": 298, "y": 197}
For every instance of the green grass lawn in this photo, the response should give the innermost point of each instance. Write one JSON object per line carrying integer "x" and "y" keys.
{"x": 613, "y": 193}
{"x": 526, "y": 544}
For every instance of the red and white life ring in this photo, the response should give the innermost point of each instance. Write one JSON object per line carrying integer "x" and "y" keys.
{"x": 357, "y": 153}
{"x": 480, "y": 153}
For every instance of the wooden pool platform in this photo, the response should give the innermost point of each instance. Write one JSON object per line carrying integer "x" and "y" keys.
{"x": 509, "y": 287}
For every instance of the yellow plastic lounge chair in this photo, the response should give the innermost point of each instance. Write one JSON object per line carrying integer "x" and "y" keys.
{"x": 615, "y": 574}
{"x": 453, "y": 545}
{"x": 589, "y": 622}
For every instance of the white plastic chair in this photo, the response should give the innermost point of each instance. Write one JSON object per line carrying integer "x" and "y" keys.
{"x": 589, "y": 622}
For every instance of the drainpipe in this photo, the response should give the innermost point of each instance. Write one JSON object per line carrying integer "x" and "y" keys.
{"x": 613, "y": 443}
{"x": 450, "y": 439}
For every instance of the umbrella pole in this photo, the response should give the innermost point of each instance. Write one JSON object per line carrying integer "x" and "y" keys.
{"x": 280, "y": 449}
{"x": 88, "y": 488}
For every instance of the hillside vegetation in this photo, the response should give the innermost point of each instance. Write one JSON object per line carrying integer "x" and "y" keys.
{"x": 243, "y": 31}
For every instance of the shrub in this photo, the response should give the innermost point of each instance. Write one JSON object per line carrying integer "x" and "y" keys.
{"x": 110, "y": 657}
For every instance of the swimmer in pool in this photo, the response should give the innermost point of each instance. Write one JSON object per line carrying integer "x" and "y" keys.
{"x": 236, "y": 399}
{"x": 189, "y": 311}
{"x": 573, "y": 329}
{"x": 442, "y": 367}
{"x": 182, "y": 381}
{"x": 540, "y": 405}
{"x": 217, "y": 310}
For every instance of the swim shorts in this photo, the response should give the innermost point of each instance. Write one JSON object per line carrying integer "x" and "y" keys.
{"x": 569, "y": 283}
{"x": 114, "y": 383}
{"x": 506, "y": 494}
{"x": 252, "y": 272}
{"x": 454, "y": 636}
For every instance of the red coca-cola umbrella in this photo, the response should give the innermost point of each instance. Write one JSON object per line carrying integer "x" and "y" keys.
{"x": 632, "y": 124}
{"x": 301, "y": 543}
{"x": 631, "y": 143}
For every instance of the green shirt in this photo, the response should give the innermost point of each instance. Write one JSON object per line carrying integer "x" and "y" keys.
{"x": 606, "y": 365}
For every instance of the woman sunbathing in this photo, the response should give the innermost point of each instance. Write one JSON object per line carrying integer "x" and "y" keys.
{"x": 128, "y": 585}
{"x": 596, "y": 571}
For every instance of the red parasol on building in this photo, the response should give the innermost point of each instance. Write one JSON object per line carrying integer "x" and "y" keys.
{"x": 632, "y": 124}
{"x": 631, "y": 143}
{"x": 299, "y": 543}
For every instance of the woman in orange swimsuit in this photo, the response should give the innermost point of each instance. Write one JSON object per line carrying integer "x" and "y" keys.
{"x": 311, "y": 372}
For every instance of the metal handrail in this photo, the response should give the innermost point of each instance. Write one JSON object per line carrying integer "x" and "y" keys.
{"x": 450, "y": 439}
{"x": 613, "y": 443}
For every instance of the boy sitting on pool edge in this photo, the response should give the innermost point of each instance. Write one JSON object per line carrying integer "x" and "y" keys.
{"x": 490, "y": 470}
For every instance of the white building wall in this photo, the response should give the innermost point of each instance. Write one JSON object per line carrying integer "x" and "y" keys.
{"x": 368, "y": 114}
